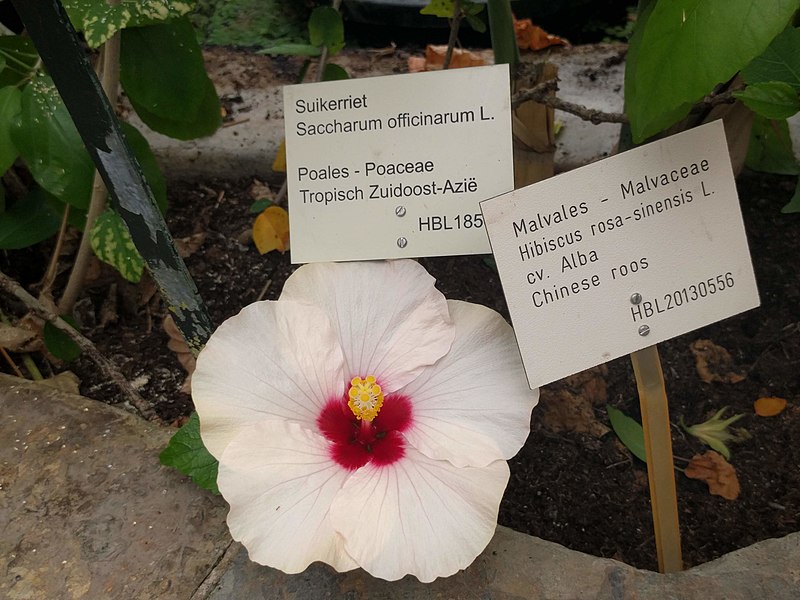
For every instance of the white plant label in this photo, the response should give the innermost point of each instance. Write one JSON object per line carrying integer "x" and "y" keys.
{"x": 391, "y": 167}
{"x": 622, "y": 254}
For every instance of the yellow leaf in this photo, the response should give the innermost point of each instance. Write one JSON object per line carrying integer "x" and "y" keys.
{"x": 769, "y": 407}
{"x": 271, "y": 230}
{"x": 279, "y": 164}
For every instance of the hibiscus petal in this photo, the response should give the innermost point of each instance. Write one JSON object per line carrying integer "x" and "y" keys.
{"x": 390, "y": 318}
{"x": 473, "y": 406}
{"x": 280, "y": 481}
{"x": 272, "y": 360}
{"x": 419, "y": 516}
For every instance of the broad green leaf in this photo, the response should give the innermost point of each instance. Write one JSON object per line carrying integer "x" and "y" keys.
{"x": 325, "y": 28}
{"x": 771, "y": 99}
{"x": 686, "y": 47}
{"x": 112, "y": 244}
{"x": 439, "y": 8}
{"x": 628, "y": 431}
{"x": 58, "y": 343}
{"x": 2, "y": 199}
{"x": 292, "y": 50}
{"x": 29, "y": 221}
{"x": 20, "y": 59}
{"x": 50, "y": 145}
{"x": 793, "y": 206}
{"x": 334, "y": 73}
{"x": 99, "y": 20}
{"x": 162, "y": 72}
{"x": 770, "y": 149}
{"x": 147, "y": 160}
{"x": 779, "y": 62}
{"x": 188, "y": 455}
{"x": 10, "y": 104}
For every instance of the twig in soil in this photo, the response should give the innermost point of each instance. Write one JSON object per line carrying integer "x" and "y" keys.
{"x": 234, "y": 123}
{"x": 86, "y": 346}
{"x": 11, "y": 363}
{"x": 264, "y": 290}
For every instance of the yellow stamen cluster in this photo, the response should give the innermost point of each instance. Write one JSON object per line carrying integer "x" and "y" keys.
{"x": 366, "y": 398}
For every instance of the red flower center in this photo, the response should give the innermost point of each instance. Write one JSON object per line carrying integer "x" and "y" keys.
{"x": 356, "y": 441}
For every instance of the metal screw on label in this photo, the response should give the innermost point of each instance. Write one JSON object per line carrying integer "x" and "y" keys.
{"x": 636, "y": 297}
{"x": 400, "y": 211}
{"x": 402, "y": 242}
{"x": 644, "y": 330}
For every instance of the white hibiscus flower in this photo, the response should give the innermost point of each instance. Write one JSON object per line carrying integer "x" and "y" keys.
{"x": 362, "y": 420}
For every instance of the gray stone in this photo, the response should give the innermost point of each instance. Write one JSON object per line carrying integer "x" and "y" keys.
{"x": 86, "y": 509}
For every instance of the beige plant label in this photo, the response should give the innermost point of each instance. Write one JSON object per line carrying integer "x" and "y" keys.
{"x": 623, "y": 253}
{"x": 394, "y": 167}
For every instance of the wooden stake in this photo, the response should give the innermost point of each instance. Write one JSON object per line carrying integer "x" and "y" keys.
{"x": 658, "y": 446}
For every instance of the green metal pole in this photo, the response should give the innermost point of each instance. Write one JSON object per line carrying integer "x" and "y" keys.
{"x": 65, "y": 58}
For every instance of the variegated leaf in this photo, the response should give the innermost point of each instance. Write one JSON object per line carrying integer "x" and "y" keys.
{"x": 112, "y": 244}
{"x": 99, "y": 21}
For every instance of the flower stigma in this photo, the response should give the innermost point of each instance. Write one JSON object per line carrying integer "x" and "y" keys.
{"x": 365, "y": 398}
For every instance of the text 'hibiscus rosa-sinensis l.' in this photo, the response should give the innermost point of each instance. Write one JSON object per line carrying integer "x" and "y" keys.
{"x": 363, "y": 420}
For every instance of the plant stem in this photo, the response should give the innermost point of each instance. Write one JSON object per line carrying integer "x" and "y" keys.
{"x": 109, "y": 79}
{"x": 50, "y": 274}
{"x": 323, "y": 57}
{"x": 11, "y": 363}
{"x": 455, "y": 23}
{"x": 86, "y": 346}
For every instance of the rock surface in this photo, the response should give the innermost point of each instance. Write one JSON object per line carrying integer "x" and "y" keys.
{"x": 87, "y": 512}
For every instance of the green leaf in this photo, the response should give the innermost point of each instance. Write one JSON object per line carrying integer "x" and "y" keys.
{"x": 10, "y": 105}
{"x": 770, "y": 149}
{"x": 20, "y": 59}
{"x": 147, "y": 160}
{"x": 793, "y": 206}
{"x": 187, "y": 453}
{"x": 772, "y": 99}
{"x": 686, "y": 47}
{"x": 99, "y": 20}
{"x": 325, "y": 28}
{"x": 504, "y": 40}
{"x": 112, "y": 244}
{"x": 439, "y": 8}
{"x": 259, "y": 205}
{"x": 334, "y": 73}
{"x": 48, "y": 142}
{"x": 476, "y": 23}
{"x": 779, "y": 62}
{"x": 58, "y": 343}
{"x": 29, "y": 221}
{"x": 162, "y": 72}
{"x": 628, "y": 431}
{"x": 292, "y": 50}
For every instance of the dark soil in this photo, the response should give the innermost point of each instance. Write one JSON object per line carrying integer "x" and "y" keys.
{"x": 580, "y": 489}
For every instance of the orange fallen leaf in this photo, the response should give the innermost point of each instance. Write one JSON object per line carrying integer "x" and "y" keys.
{"x": 271, "y": 230}
{"x": 769, "y": 406}
{"x": 714, "y": 363}
{"x": 717, "y": 472}
{"x": 416, "y": 64}
{"x": 279, "y": 164}
{"x": 533, "y": 37}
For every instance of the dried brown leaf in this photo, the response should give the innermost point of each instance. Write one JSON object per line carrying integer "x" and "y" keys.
{"x": 717, "y": 472}
{"x": 188, "y": 245}
{"x": 714, "y": 363}
{"x": 259, "y": 190}
{"x": 16, "y": 339}
{"x": 178, "y": 345}
{"x": 533, "y": 37}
